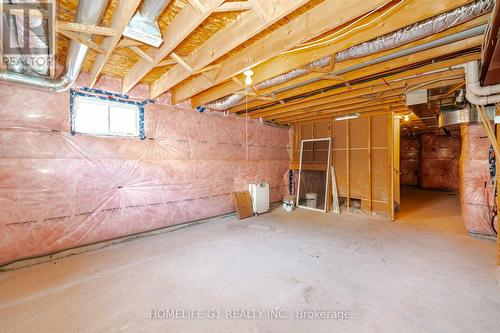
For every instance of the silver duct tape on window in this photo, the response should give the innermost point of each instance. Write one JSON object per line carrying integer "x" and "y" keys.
{"x": 392, "y": 40}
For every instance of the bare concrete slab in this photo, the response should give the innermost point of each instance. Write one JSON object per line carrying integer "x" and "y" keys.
{"x": 423, "y": 273}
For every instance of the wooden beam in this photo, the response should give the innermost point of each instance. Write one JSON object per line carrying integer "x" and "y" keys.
{"x": 395, "y": 64}
{"x": 237, "y": 6}
{"x": 234, "y": 34}
{"x": 407, "y": 13}
{"x": 346, "y": 64}
{"x": 207, "y": 69}
{"x": 379, "y": 111}
{"x": 122, "y": 15}
{"x": 127, "y": 42}
{"x": 381, "y": 90}
{"x": 84, "y": 40}
{"x": 141, "y": 53}
{"x": 379, "y": 86}
{"x": 354, "y": 103}
{"x": 312, "y": 23}
{"x": 197, "y": 5}
{"x": 185, "y": 22}
{"x": 393, "y": 101}
{"x": 166, "y": 62}
{"x": 259, "y": 9}
{"x": 182, "y": 62}
{"x": 84, "y": 28}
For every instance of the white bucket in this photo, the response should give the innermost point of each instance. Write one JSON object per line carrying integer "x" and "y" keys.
{"x": 312, "y": 200}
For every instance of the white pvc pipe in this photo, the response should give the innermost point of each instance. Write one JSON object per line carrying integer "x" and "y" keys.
{"x": 481, "y": 100}
{"x": 473, "y": 84}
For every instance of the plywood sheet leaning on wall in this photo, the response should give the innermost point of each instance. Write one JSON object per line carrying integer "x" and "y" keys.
{"x": 476, "y": 186}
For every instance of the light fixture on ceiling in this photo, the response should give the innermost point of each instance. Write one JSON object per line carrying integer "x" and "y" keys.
{"x": 248, "y": 77}
{"x": 406, "y": 117}
{"x": 347, "y": 116}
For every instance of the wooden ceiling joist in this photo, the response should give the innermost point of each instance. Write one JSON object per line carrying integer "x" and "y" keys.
{"x": 121, "y": 17}
{"x": 399, "y": 63}
{"x": 405, "y": 14}
{"x": 84, "y": 40}
{"x": 335, "y": 107}
{"x": 392, "y": 101}
{"x": 237, "y": 6}
{"x": 181, "y": 27}
{"x": 388, "y": 81}
{"x": 84, "y": 28}
{"x": 314, "y": 22}
{"x": 201, "y": 98}
{"x": 380, "y": 90}
{"x": 234, "y": 34}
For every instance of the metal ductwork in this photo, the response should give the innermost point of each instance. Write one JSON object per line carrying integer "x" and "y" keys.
{"x": 455, "y": 117}
{"x": 144, "y": 25}
{"x": 392, "y": 40}
{"x": 90, "y": 13}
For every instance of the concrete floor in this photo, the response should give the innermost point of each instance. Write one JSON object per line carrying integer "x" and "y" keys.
{"x": 420, "y": 274}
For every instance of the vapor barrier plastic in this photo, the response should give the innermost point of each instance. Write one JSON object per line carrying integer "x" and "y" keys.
{"x": 476, "y": 187}
{"x": 439, "y": 161}
{"x": 59, "y": 191}
{"x": 410, "y": 161}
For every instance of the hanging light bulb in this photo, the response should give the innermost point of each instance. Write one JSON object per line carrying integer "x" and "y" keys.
{"x": 248, "y": 77}
{"x": 406, "y": 117}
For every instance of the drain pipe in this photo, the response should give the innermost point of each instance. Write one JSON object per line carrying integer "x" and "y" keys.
{"x": 475, "y": 93}
{"x": 89, "y": 12}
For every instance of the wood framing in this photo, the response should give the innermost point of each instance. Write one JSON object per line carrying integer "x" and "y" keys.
{"x": 299, "y": 30}
{"x": 245, "y": 27}
{"x": 123, "y": 13}
{"x": 84, "y": 28}
{"x": 182, "y": 26}
{"x": 362, "y": 152}
{"x": 406, "y": 14}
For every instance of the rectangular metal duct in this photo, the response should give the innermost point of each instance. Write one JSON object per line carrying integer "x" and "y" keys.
{"x": 454, "y": 117}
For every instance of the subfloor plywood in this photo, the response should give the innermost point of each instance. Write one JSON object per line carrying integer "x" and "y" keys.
{"x": 420, "y": 274}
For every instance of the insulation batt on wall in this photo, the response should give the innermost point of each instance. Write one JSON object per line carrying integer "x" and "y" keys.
{"x": 410, "y": 161}
{"x": 59, "y": 191}
{"x": 476, "y": 190}
{"x": 439, "y": 163}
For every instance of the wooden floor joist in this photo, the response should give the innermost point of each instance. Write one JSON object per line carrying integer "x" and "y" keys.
{"x": 181, "y": 27}
{"x": 313, "y": 23}
{"x": 122, "y": 16}
{"x": 408, "y": 13}
{"x": 245, "y": 27}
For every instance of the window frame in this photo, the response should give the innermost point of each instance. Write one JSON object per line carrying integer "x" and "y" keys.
{"x": 108, "y": 101}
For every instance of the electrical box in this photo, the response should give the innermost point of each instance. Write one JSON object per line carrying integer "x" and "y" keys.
{"x": 260, "y": 197}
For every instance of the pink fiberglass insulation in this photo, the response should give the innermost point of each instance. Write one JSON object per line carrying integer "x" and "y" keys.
{"x": 439, "y": 162}
{"x": 59, "y": 191}
{"x": 476, "y": 188}
{"x": 410, "y": 161}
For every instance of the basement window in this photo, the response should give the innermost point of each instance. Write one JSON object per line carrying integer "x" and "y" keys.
{"x": 102, "y": 117}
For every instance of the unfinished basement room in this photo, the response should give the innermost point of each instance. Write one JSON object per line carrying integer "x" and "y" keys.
{"x": 249, "y": 166}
